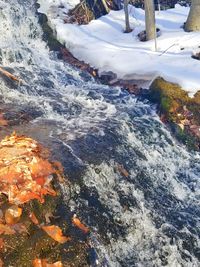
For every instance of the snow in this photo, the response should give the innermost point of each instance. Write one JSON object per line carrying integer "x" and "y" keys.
{"x": 104, "y": 45}
{"x": 49, "y": 7}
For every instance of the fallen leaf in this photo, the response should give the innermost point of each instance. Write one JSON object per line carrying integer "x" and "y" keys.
{"x": 79, "y": 224}
{"x": 122, "y": 170}
{"x": 6, "y": 230}
{"x": 33, "y": 218}
{"x": 56, "y": 264}
{"x": 55, "y": 232}
{"x": 13, "y": 214}
{"x": 1, "y": 263}
{"x": 1, "y": 244}
{"x": 38, "y": 263}
{"x": 43, "y": 263}
{"x": 19, "y": 228}
{"x": 58, "y": 166}
{"x": 40, "y": 167}
{"x": 24, "y": 173}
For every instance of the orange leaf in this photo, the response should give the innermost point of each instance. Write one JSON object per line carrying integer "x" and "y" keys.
{"x": 24, "y": 173}
{"x": 13, "y": 214}
{"x": 59, "y": 166}
{"x": 33, "y": 218}
{"x": 37, "y": 263}
{"x": 1, "y": 244}
{"x": 6, "y": 230}
{"x": 56, "y": 233}
{"x": 40, "y": 180}
{"x": 40, "y": 167}
{"x": 43, "y": 263}
{"x": 122, "y": 170}
{"x": 56, "y": 264}
{"x": 1, "y": 263}
{"x": 79, "y": 224}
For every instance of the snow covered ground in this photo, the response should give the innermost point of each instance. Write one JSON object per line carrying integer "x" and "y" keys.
{"x": 54, "y": 8}
{"x": 104, "y": 45}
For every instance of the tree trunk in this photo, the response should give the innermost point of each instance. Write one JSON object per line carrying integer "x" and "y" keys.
{"x": 127, "y": 23}
{"x": 193, "y": 20}
{"x": 150, "y": 19}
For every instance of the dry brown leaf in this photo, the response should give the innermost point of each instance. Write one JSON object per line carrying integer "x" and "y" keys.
{"x": 1, "y": 263}
{"x": 55, "y": 232}
{"x": 13, "y": 214}
{"x": 79, "y": 224}
{"x": 122, "y": 170}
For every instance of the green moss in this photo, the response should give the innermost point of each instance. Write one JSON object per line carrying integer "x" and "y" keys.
{"x": 194, "y": 107}
{"x": 176, "y": 106}
{"x": 165, "y": 104}
{"x": 196, "y": 98}
{"x": 184, "y": 137}
{"x": 169, "y": 96}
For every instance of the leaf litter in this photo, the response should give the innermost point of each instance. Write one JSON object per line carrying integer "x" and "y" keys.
{"x": 26, "y": 175}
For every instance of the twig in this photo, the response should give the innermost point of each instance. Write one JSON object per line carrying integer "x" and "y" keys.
{"x": 9, "y": 75}
{"x": 167, "y": 50}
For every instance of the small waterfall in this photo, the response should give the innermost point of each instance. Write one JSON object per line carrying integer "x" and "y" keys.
{"x": 134, "y": 185}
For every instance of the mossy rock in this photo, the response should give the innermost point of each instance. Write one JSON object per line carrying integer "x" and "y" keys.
{"x": 196, "y": 98}
{"x": 194, "y": 107}
{"x": 176, "y": 107}
{"x": 169, "y": 96}
{"x": 48, "y": 34}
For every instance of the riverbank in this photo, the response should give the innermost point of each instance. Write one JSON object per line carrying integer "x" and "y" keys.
{"x": 132, "y": 184}
{"x": 186, "y": 129}
{"x": 36, "y": 225}
{"x": 104, "y": 46}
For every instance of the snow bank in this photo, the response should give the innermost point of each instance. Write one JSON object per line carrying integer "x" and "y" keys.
{"x": 105, "y": 46}
{"x": 49, "y": 7}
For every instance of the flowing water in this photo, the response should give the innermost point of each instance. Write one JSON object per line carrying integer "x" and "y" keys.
{"x": 133, "y": 184}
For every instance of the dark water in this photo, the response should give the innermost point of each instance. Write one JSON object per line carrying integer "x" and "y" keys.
{"x": 147, "y": 217}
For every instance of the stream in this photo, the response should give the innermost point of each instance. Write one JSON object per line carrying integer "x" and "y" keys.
{"x": 133, "y": 184}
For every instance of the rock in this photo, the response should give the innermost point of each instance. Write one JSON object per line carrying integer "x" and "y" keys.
{"x": 30, "y": 192}
{"x": 178, "y": 110}
{"x": 108, "y": 77}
